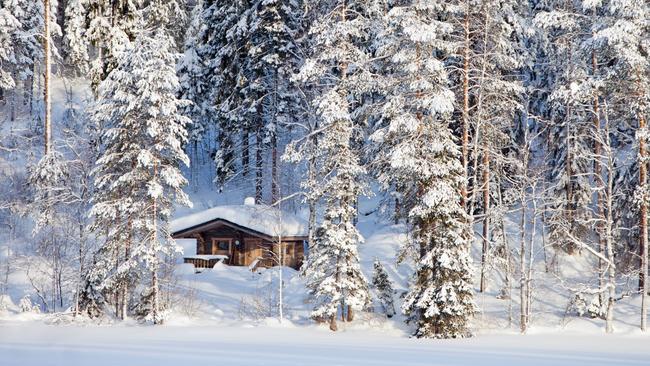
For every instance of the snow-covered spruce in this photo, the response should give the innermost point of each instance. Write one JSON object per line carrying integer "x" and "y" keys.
{"x": 334, "y": 277}
{"x": 138, "y": 172}
{"x": 75, "y": 41}
{"x": 415, "y": 154}
{"x": 8, "y": 25}
{"x": 109, "y": 28}
{"x": 384, "y": 287}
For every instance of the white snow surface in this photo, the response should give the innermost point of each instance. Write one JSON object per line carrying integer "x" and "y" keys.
{"x": 262, "y": 218}
{"x": 43, "y": 345}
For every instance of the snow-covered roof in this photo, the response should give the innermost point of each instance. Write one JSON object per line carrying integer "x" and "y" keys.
{"x": 264, "y": 219}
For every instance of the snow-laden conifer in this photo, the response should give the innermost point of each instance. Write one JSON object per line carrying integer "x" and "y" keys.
{"x": 384, "y": 288}
{"x": 416, "y": 154}
{"x": 8, "y": 25}
{"x": 337, "y": 69}
{"x": 137, "y": 175}
{"x": 75, "y": 41}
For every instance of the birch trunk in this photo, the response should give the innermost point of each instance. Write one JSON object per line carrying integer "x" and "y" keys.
{"x": 608, "y": 235}
{"x": 598, "y": 180}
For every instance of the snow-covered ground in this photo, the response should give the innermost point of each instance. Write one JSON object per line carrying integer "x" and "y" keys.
{"x": 38, "y": 344}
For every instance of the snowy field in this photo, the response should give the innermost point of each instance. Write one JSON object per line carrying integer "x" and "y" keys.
{"x": 38, "y": 344}
{"x": 224, "y": 316}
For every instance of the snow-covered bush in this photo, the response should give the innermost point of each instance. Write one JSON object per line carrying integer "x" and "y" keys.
{"x": 577, "y": 305}
{"x": 26, "y": 305}
{"x": 595, "y": 308}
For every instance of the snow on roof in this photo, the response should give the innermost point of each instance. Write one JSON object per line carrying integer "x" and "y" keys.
{"x": 261, "y": 218}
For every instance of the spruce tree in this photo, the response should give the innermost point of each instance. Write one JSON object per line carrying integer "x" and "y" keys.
{"x": 416, "y": 154}
{"x": 384, "y": 288}
{"x": 336, "y": 67}
{"x": 8, "y": 25}
{"x": 138, "y": 176}
{"x": 269, "y": 100}
{"x": 569, "y": 110}
{"x": 75, "y": 41}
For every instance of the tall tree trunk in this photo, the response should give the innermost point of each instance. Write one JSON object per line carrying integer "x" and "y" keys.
{"x": 570, "y": 209}
{"x": 259, "y": 147}
{"x": 12, "y": 107}
{"x": 155, "y": 301}
{"x": 311, "y": 171}
{"x": 643, "y": 225}
{"x": 46, "y": 98}
{"x": 598, "y": 180}
{"x": 245, "y": 157}
{"x": 275, "y": 184}
{"x": 486, "y": 218}
{"x": 523, "y": 322}
{"x": 275, "y": 179}
{"x": 608, "y": 234}
{"x": 465, "y": 114}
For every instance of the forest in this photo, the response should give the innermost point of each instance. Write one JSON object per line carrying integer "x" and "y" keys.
{"x": 507, "y": 140}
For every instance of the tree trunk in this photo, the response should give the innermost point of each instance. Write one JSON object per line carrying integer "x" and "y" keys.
{"x": 570, "y": 208}
{"x": 275, "y": 191}
{"x": 275, "y": 179}
{"x": 312, "y": 200}
{"x": 245, "y": 157}
{"x": 465, "y": 114}
{"x": 155, "y": 306}
{"x": 259, "y": 142}
{"x": 609, "y": 223}
{"x": 523, "y": 322}
{"x": 333, "y": 326}
{"x": 12, "y": 107}
{"x": 46, "y": 98}
{"x": 398, "y": 212}
{"x": 598, "y": 180}
{"x": 486, "y": 218}
{"x": 643, "y": 225}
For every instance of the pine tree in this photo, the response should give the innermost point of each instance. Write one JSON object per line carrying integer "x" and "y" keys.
{"x": 138, "y": 174}
{"x": 334, "y": 275}
{"x": 28, "y": 46}
{"x": 110, "y": 28}
{"x": 228, "y": 37}
{"x": 384, "y": 288}
{"x": 8, "y": 25}
{"x": 416, "y": 154}
{"x": 75, "y": 41}
{"x": 336, "y": 65}
{"x": 569, "y": 109}
{"x": 269, "y": 99}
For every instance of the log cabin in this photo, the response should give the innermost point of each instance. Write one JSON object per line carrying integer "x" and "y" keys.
{"x": 243, "y": 235}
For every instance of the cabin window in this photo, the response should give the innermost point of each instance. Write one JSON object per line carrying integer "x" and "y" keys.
{"x": 220, "y": 245}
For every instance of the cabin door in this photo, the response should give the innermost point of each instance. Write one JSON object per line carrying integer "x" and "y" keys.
{"x": 253, "y": 250}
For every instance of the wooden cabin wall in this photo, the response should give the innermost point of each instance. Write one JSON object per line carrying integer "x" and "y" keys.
{"x": 250, "y": 248}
